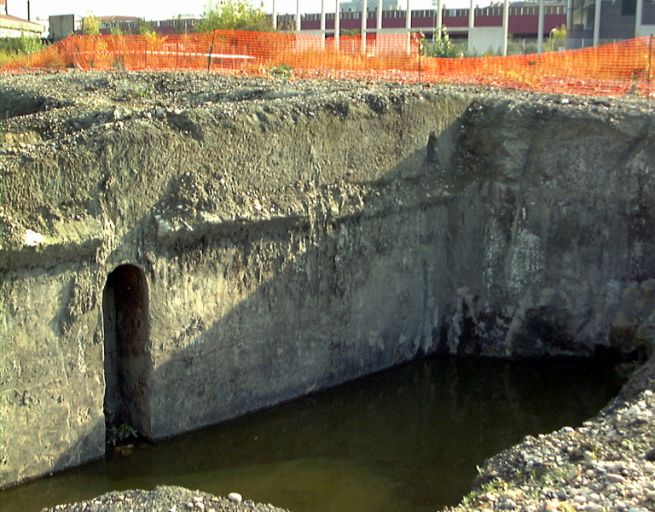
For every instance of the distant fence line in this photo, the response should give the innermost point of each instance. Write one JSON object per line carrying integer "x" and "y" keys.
{"x": 616, "y": 69}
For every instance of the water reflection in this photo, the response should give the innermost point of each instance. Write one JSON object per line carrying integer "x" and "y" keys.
{"x": 406, "y": 439}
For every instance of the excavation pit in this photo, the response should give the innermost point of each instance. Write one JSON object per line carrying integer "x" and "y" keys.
{"x": 297, "y": 235}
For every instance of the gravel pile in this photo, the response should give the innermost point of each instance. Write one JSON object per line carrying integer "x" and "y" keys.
{"x": 165, "y": 499}
{"x": 85, "y": 99}
{"x": 607, "y": 464}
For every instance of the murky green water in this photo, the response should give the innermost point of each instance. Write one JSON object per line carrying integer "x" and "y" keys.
{"x": 407, "y": 439}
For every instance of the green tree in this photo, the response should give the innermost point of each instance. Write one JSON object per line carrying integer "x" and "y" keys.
{"x": 90, "y": 25}
{"x": 234, "y": 15}
{"x": 115, "y": 30}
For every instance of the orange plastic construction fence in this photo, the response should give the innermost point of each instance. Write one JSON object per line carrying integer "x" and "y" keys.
{"x": 622, "y": 68}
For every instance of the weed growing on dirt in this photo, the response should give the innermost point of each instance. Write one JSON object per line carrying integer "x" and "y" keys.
{"x": 283, "y": 72}
{"x": 121, "y": 434}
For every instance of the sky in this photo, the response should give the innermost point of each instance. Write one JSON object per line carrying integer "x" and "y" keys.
{"x": 158, "y": 9}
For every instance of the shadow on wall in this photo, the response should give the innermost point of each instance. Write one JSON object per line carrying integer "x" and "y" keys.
{"x": 300, "y": 306}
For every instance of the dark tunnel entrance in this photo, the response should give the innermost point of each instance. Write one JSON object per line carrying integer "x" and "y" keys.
{"x": 127, "y": 354}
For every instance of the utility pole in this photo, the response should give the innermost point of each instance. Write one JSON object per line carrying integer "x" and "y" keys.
{"x": 337, "y": 24}
{"x": 408, "y": 27}
{"x": 378, "y": 20}
{"x": 597, "y": 22}
{"x": 274, "y": 15}
{"x": 471, "y": 15}
{"x": 297, "y": 15}
{"x": 439, "y": 23}
{"x": 505, "y": 26}
{"x": 540, "y": 29}
{"x": 363, "y": 26}
{"x": 471, "y": 24}
{"x": 29, "y": 17}
{"x": 322, "y": 24}
{"x": 638, "y": 14}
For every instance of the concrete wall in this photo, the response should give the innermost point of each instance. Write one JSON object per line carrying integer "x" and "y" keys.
{"x": 61, "y": 26}
{"x": 482, "y": 40}
{"x": 291, "y": 245}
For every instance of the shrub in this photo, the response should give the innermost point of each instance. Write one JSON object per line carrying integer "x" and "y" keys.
{"x": 12, "y": 47}
{"x": 20, "y": 45}
{"x": 441, "y": 45}
{"x": 556, "y": 39}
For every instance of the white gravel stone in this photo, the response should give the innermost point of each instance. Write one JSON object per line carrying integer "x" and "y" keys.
{"x": 235, "y": 497}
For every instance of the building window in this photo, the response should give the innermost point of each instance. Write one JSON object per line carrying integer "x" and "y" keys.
{"x": 628, "y": 7}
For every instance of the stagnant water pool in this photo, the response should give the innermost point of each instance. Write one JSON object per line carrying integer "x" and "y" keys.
{"x": 407, "y": 439}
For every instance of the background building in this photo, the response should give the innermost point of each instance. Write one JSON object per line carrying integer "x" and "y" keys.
{"x": 11, "y": 26}
{"x": 618, "y": 19}
{"x": 62, "y": 25}
{"x": 356, "y": 5}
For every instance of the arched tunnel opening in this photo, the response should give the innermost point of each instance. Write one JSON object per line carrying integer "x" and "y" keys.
{"x": 127, "y": 355}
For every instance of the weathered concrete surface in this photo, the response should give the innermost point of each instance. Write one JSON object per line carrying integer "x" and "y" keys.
{"x": 294, "y": 236}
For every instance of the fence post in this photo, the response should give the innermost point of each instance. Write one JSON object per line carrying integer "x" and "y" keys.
{"x": 418, "y": 46}
{"x": 650, "y": 66}
{"x": 211, "y": 51}
{"x": 79, "y": 55}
